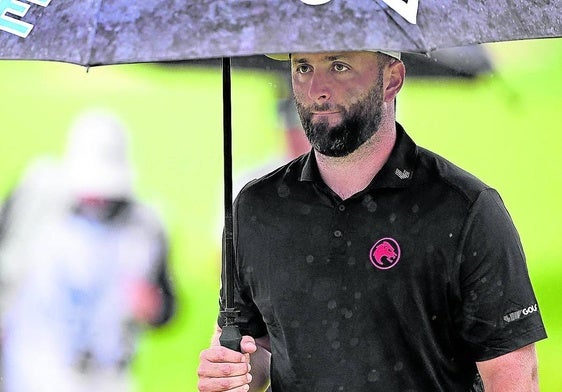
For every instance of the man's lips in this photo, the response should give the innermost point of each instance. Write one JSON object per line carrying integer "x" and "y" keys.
{"x": 325, "y": 113}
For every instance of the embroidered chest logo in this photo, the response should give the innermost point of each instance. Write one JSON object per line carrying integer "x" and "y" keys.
{"x": 385, "y": 254}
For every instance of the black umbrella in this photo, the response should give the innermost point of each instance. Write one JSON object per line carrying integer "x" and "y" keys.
{"x": 97, "y": 32}
{"x": 94, "y": 32}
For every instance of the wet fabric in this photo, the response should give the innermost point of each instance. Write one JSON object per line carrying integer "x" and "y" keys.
{"x": 401, "y": 287}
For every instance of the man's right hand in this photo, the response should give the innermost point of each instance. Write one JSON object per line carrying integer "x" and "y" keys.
{"x": 222, "y": 369}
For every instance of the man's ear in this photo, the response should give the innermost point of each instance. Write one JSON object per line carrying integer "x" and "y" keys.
{"x": 395, "y": 73}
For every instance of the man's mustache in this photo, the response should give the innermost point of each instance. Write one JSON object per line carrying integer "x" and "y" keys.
{"x": 325, "y": 107}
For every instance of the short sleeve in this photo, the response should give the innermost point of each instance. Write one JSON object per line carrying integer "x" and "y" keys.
{"x": 249, "y": 319}
{"x": 499, "y": 309}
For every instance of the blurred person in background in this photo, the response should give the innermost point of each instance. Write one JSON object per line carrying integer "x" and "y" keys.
{"x": 86, "y": 267}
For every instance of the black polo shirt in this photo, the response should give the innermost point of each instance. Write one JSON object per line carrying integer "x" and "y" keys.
{"x": 401, "y": 287}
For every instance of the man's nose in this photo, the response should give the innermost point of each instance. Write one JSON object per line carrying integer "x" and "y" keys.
{"x": 320, "y": 88}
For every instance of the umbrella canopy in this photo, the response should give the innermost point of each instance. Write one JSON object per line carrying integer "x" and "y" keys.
{"x": 95, "y": 32}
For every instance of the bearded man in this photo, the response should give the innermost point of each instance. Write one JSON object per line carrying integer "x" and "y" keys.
{"x": 371, "y": 263}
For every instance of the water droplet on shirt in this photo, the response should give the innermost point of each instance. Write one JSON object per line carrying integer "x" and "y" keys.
{"x": 373, "y": 376}
{"x": 369, "y": 203}
{"x": 333, "y": 332}
{"x": 283, "y": 191}
{"x": 316, "y": 230}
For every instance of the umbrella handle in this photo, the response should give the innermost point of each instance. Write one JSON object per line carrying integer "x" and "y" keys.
{"x": 231, "y": 337}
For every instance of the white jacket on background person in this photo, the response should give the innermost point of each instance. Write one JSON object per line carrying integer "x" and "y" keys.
{"x": 87, "y": 267}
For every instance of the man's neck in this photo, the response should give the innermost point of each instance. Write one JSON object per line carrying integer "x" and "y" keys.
{"x": 351, "y": 174}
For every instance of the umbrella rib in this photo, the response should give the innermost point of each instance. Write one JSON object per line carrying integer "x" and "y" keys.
{"x": 92, "y": 35}
{"x": 420, "y": 43}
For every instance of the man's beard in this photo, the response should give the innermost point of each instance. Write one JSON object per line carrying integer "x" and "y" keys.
{"x": 359, "y": 123}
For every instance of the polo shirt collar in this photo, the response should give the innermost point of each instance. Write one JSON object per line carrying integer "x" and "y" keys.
{"x": 397, "y": 172}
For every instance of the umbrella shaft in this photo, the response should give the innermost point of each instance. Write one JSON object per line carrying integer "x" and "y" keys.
{"x": 228, "y": 257}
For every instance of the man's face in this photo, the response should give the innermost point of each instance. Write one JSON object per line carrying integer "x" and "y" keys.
{"x": 339, "y": 98}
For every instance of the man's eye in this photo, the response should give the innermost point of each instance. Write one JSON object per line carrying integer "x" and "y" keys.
{"x": 340, "y": 67}
{"x": 303, "y": 68}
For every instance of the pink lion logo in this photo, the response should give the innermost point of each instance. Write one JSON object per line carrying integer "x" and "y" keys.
{"x": 385, "y": 253}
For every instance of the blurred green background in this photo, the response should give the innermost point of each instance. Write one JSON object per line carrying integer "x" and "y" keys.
{"x": 504, "y": 127}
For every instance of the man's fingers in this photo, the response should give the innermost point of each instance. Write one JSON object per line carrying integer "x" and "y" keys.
{"x": 222, "y": 370}
{"x": 222, "y": 376}
{"x": 248, "y": 345}
{"x": 219, "y": 354}
{"x": 220, "y": 362}
{"x": 225, "y": 384}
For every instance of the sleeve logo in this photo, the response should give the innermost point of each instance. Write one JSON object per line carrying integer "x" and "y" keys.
{"x": 521, "y": 313}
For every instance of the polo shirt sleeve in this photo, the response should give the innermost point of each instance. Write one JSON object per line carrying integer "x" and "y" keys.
{"x": 499, "y": 311}
{"x": 249, "y": 319}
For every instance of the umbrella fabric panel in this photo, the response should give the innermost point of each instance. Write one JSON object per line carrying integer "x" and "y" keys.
{"x": 49, "y": 30}
{"x": 465, "y": 22}
{"x": 161, "y": 30}
{"x": 167, "y": 30}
